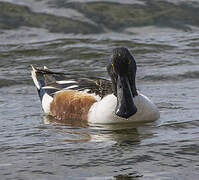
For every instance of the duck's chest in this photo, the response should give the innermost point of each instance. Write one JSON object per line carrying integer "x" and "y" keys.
{"x": 103, "y": 112}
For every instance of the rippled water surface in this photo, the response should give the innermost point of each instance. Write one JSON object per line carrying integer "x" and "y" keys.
{"x": 72, "y": 36}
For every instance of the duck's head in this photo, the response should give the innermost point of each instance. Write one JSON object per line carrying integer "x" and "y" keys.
{"x": 121, "y": 67}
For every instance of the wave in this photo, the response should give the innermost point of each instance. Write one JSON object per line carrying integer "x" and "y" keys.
{"x": 98, "y": 17}
{"x": 172, "y": 77}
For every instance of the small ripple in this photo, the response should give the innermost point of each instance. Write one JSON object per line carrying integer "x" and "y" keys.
{"x": 173, "y": 77}
{"x": 5, "y": 165}
{"x": 29, "y": 146}
{"x": 42, "y": 172}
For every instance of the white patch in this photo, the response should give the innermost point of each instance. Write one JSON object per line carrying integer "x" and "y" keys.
{"x": 71, "y": 87}
{"x": 146, "y": 110}
{"x": 35, "y": 78}
{"x": 49, "y": 87}
{"x": 46, "y": 100}
{"x": 85, "y": 91}
{"x": 97, "y": 97}
{"x": 65, "y": 82}
{"x": 103, "y": 112}
{"x": 45, "y": 68}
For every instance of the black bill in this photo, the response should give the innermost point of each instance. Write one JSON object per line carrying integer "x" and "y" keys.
{"x": 125, "y": 104}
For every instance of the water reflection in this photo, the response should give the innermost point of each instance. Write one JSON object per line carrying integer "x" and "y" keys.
{"x": 67, "y": 122}
{"x": 130, "y": 176}
{"x": 119, "y": 133}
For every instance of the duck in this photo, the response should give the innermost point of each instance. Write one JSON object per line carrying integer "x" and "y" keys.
{"x": 93, "y": 99}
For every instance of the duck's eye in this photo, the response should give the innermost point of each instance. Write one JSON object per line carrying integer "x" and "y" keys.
{"x": 129, "y": 62}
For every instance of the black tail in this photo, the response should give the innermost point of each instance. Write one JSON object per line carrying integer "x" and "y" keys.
{"x": 44, "y": 81}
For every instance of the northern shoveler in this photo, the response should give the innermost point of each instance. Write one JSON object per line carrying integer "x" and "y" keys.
{"x": 96, "y": 100}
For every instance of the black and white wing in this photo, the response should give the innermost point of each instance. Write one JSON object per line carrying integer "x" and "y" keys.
{"x": 49, "y": 82}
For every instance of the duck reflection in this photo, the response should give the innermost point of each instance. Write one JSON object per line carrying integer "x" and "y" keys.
{"x": 74, "y": 135}
{"x": 131, "y": 176}
{"x": 120, "y": 133}
{"x": 67, "y": 122}
{"x": 83, "y": 132}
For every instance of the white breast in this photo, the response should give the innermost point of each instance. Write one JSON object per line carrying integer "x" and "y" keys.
{"x": 102, "y": 112}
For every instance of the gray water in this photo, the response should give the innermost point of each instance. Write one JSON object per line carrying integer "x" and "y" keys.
{"x": 77, "y": 37}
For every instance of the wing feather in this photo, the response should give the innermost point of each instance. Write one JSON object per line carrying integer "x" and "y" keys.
{"x": 52, "y": 82}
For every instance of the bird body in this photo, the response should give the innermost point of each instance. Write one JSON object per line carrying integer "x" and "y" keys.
{"x": 96, "y": 100}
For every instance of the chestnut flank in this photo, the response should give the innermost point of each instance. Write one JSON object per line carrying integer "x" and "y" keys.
{"x": 71, "y": 105}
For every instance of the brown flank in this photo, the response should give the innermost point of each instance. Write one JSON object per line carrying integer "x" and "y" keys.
{"x": 71, "y": 105}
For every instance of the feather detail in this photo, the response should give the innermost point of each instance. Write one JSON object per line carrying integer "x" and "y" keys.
{"x": 71, "y": 105}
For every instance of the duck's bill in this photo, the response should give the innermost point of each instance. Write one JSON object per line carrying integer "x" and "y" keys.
{"x": 125, "y": 104}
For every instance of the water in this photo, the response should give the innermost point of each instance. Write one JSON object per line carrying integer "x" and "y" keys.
{"x": 168, "y": 72}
